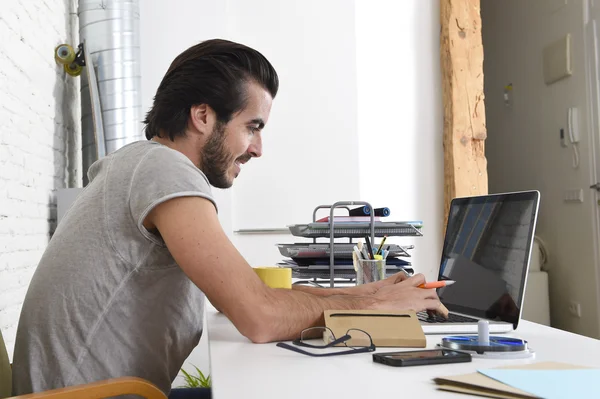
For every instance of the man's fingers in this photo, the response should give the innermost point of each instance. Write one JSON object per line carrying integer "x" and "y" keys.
{"x": 400, "y": 276}
{"x": 429, "y": 293}
{"x": 442, "y": 311}
{"x": 433, "y": 304}
{"x": 393, "y": 279}
{"x": 415, "y": 280}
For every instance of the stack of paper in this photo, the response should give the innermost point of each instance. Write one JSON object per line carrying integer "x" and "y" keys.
{"x": 549, "y": 380}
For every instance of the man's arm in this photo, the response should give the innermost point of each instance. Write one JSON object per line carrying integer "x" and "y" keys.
{"x": 194, "y": 237}
{"x": 364, "y": 289}
{"x": 323, "y": 291}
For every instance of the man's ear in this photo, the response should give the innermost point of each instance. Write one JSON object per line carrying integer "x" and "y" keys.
{"x": 202, "y": 118}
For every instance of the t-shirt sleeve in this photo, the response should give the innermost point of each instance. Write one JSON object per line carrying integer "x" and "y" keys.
{"x": 164, "y": 174}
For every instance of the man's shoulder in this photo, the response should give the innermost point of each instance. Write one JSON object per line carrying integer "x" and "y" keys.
{"x": 123, "y": 160}
{"x": 147, "y": 154}
{"x": 142, "y": 149}
{"x": 144, "y": 166}
{"x": 163, "y": 167}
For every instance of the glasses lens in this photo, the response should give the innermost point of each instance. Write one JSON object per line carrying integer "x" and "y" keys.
{"x": 358, "y": 339}
{"x": 317, "y": 336}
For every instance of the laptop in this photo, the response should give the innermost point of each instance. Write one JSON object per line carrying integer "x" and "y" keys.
{"x": 487, "y": 249}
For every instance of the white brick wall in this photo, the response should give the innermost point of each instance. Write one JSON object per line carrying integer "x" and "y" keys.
{"x": 39, "y": 140}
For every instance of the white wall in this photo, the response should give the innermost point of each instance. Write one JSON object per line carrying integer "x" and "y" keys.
{"x": 523, "y": 147}
{"x": 400, "y": 121}
{"x": 358, "y": 115}
{"x": 310, "y": 143}
{"x": 39, "y": 120}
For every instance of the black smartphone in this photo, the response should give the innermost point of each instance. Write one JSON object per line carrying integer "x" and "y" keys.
{"x": 421, "y": 357}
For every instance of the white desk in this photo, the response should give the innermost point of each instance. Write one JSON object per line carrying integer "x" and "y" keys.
{"x": 241, "y": 369}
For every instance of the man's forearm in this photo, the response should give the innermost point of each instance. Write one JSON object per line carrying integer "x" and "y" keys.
{"x": 288, "y": 312}
{"x": 323, "y": 291}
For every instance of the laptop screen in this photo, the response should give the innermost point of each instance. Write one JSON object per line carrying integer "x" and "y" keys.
{"x": 486, "y": 251}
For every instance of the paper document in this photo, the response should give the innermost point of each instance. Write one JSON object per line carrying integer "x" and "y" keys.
{"x": 549, "y": 384}
{"x": 499, "y": 383}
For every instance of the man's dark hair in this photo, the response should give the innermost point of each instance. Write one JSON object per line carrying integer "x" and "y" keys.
{"x": 214, "y": 72}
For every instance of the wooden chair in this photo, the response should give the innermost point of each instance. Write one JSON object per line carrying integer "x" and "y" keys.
{"x": 94, "y": 390}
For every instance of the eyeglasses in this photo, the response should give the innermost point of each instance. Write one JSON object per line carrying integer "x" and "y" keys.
{"x": 358, "y": 341}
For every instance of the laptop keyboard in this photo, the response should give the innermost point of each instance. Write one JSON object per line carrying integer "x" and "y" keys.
{"x": 452, "y": 318}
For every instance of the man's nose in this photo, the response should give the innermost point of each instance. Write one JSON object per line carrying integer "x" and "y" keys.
{"x": 255, "y": 149}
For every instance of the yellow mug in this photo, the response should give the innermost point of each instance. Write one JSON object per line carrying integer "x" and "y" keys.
{"x": 275, "y": 277}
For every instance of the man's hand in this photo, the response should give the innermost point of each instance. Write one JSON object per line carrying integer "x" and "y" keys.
{"x": 442, "y": 311}
{"x": 406, "y": 295}
{"x": 371, "y": 288}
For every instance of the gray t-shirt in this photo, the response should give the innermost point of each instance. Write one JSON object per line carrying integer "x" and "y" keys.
{"x": 107, "y": 299}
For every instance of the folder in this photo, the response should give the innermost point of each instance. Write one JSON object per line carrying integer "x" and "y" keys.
{"x": 481, "y": 385}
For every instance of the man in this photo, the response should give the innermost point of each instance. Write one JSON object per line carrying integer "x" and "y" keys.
{"x": 120, "y": 289}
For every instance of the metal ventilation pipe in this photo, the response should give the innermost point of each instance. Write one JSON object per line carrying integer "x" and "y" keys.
{"x": 111, "y": 31}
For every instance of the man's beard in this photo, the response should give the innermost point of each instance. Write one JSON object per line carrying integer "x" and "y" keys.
{"x": 215, "y": 159}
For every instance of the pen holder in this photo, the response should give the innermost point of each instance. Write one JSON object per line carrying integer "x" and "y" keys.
{"x": 368, "y": 270}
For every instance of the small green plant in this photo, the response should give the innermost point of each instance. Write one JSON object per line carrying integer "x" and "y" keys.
{"x": 196, "y": 381}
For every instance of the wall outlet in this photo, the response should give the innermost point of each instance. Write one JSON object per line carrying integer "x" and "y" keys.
{"x": 575, "y": 309}
{"x": 575, "y": 195}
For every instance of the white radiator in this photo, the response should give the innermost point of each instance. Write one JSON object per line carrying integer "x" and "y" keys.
{"x": 536, "y": 305}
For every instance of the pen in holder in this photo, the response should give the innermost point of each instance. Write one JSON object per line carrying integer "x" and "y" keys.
{"x": 369, "y": 270}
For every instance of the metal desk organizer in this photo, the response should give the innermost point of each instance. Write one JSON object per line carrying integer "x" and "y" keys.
{"x": 351, "y": 230}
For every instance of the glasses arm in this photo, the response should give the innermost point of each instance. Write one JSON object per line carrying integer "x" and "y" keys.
{"x": 301, "y": 351}
{"x": 340, "y": 340}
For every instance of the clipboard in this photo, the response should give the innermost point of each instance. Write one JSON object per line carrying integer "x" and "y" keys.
{"x": 386, "y": 328}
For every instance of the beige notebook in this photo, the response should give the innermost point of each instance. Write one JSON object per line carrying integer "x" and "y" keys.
{"x": 481, "y": 385}
{"x": 386, "y": 328}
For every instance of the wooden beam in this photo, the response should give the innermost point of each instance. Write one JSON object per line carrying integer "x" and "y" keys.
{"x": 461, "y": 50}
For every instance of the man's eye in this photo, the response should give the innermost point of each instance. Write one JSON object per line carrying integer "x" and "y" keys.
{"x": 254, "y": 130}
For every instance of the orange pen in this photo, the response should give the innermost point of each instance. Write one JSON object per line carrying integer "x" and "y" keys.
{"x": 437, "y": 284}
